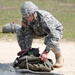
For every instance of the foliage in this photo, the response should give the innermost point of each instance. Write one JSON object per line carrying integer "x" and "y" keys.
{"x": 63, "y": 10}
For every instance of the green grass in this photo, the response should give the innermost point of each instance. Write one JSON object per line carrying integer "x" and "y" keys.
{"x": 63, "y": 10}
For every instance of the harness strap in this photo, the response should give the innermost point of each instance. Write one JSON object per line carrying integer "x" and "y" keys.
{"x": 27, "y": 62}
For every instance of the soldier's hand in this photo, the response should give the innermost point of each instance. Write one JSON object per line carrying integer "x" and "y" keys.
{"x": 43, "y": 56}
{"x": 20, "y": 52}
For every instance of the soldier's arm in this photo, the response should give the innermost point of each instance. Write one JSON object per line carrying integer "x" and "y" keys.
{"x": 55, "y": 33}
{"x": 54, "y": 26}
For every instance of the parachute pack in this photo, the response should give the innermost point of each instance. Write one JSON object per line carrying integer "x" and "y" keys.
{"x": 30, "y": 60}
{"x": 10, "y": 27}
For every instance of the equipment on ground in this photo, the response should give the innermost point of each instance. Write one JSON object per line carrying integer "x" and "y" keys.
{"x": 10, "y": 28}
{"x": 30, "y": 60}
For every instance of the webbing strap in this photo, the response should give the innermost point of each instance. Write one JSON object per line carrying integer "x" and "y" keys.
{"x": 27, "y": 62}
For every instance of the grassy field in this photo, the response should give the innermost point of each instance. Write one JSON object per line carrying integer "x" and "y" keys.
{"x": 63, "y": 10}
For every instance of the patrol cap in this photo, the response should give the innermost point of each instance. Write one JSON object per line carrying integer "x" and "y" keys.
{"x": 28, "y": 8}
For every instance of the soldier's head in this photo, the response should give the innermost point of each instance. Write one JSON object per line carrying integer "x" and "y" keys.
{"x": 28, "y": 9}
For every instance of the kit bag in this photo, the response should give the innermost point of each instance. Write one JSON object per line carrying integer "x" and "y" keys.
{"x": 31, "y": 60}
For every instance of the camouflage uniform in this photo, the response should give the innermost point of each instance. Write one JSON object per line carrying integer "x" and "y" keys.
{"x": 44, "y": 23}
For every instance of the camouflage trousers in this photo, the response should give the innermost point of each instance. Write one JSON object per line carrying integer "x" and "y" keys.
{"x": 25, "y": 40}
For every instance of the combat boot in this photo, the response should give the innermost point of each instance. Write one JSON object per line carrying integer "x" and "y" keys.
{"x": 59, "y": 61}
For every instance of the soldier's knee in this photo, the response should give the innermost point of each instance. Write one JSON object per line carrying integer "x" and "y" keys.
{"x": 54, "y": 42}
{"x": 55, "y": 46}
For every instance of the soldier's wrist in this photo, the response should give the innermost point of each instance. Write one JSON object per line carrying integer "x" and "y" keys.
{"x": 47, "y": 49}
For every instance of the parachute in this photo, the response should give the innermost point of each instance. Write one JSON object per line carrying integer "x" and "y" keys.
{"x": 30, "y": 60}
{"x": 10, "y": 28}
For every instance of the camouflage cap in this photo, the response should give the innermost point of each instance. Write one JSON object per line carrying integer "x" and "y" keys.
{"x": 28, "y": 8}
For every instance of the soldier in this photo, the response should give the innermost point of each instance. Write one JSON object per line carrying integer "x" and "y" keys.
{"x": 42, "y": 23}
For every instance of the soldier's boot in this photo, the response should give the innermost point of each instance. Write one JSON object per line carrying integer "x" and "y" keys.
{"x": 59, "y": 60}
